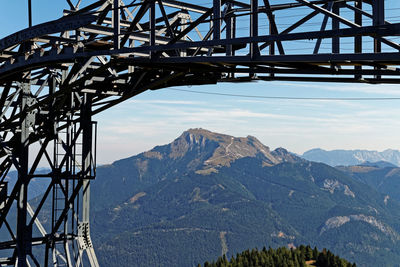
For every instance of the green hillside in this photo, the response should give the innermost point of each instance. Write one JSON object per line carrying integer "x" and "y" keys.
{"x": 384, "y": 179}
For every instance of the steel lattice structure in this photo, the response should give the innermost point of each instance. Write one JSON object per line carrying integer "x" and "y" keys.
{"x": 55, "y": 76}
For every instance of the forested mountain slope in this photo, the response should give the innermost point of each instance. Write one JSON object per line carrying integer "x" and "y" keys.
{"x": 207, "y": 194}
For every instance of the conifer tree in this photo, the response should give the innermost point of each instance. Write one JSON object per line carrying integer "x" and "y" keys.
{"x": 281, "y": 257}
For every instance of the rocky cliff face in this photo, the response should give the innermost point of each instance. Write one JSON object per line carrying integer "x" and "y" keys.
{"x": 209, "y": 151}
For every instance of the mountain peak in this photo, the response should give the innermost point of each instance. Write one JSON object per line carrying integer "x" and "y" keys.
{"x": 206, "y": 151}
{"x": 198, "y": 131}
{"x": 199, "y": 136}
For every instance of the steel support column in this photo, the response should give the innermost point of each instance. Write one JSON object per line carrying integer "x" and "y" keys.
{"x": 358, "y": 39}
{"x": 30, "y": 13}
{"x": 254, "y": 50}
{"x": 378, "y": 11}
{"x": 230, "y": 27}
{"x": 152, "y": 22}
{"x": 217, "y": 19}
{"x": 116, "y": 24}
{"x": 87, "y": 174}
{"x": 230, "y": 32}
{"x": 24, "y": 232}
{"x": 336, "y": 26}
{"x": 272, "y": 46}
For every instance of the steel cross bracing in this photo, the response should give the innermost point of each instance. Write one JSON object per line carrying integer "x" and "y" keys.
{"x": 55, "y": 76}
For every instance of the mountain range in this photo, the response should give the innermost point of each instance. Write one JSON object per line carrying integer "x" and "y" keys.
{"x": 351, "y": 157}
{"x": 206, "y": 194}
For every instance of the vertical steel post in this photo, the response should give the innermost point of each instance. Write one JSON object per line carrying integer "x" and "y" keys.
{"x": 30, "y": 13}
{"x": 335, "y": 26}
{"x": 116, "y": 25}
{"x": 272, "y": 46}
{"x": 53, "y": 131}
{"x": 86, "y": 174}
{"x": 184, "y": 24}
{"x": 229, "y": 29}
{"x": 254, "y": 27}
{"x": 217, "y": 19}
{"x": 378, "y": 13}
{"x": 358, "y": 39}
{"x": 230, "y": 32}
{"x": 86, "y": 125}
{"x": 152, "y": 21}
{"x": 24, "y": 232}
{"x": 68, "y": 169}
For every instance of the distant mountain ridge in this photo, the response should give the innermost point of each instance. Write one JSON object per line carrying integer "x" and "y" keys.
{"x": 351, "y": 157}
{"x": 378, "y": 164}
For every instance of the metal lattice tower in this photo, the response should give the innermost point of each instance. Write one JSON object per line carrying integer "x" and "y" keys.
{"x": 55, "y": 76}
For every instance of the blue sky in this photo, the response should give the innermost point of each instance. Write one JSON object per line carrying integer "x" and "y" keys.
{"x": 157, "y": 117}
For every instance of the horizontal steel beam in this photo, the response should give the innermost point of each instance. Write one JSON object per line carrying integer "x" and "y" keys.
{"x": 60, "y": 25}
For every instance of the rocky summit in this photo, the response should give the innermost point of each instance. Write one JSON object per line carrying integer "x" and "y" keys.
{"x": 209, "y": 151}
{"x": 195, "y": 150}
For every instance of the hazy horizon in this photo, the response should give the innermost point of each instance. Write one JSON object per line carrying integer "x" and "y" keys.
{"x": 271, "y": 148}
{"x": 158, "y": 117}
